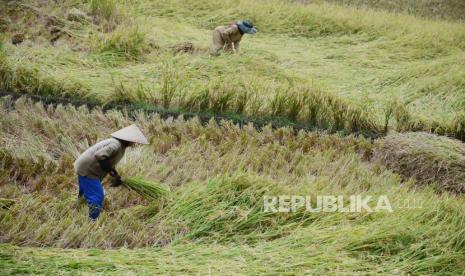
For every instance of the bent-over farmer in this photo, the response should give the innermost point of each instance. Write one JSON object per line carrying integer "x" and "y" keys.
{"x": 99, "y": 160}
{"x": 227, "y": 37}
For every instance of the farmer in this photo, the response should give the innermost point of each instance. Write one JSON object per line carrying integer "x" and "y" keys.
{"x": 99, "y": 160}
{"x": 228, "y": 37}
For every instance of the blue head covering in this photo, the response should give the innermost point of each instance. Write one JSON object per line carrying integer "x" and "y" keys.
{"x": 246, "y": 27}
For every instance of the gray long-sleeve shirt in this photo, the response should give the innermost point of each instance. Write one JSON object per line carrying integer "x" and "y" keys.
{"x": 88, "y": 164}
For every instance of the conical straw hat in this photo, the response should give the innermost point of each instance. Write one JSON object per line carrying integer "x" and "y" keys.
{"x": 131, "y": 134}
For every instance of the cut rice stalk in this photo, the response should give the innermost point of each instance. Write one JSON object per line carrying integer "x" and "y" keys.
{"x": 145, "y": 188}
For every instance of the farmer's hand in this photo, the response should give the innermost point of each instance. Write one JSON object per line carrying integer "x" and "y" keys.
{"x": 116, "y": 180}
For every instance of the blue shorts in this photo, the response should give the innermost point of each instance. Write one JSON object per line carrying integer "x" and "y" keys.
{"x": 92, "y": 190}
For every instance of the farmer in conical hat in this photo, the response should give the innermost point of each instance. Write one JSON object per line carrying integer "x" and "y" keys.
{"x": 99, "y": 160}
{"x": 228, "y": 37}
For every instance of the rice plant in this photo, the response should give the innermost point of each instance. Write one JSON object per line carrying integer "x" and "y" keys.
{"x": 126, "y": 40}
{"x": 221, "y": 100}
{"x": 108, "y": 10}
{"x": 171, "y": 83}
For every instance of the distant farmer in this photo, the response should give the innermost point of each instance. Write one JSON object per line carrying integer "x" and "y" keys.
{"x": 99, "y": 160}
{"x": 227, "y": 37}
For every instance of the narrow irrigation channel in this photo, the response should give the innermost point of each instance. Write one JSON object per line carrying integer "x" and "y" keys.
{"x": 133, "y": 108}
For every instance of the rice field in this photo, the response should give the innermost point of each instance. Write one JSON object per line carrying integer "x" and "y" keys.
{"x": 451, "y": 10}
{"x": 393, "y": 70}
{"x": 325, "y": 100}
{"x": 217, "y": 174}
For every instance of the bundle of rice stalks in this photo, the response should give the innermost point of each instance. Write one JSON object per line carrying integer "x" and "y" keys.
{"x": 145, "y": 188}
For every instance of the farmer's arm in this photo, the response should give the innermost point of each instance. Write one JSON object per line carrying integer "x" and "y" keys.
{"x": 233, "y": 32}
{"x": 236, "y": 46}
{"x": 227, "y": 35}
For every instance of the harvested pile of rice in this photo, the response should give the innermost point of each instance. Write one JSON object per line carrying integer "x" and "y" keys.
{"x": 145, "y": 188}
{"x": 426, "y": 157}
